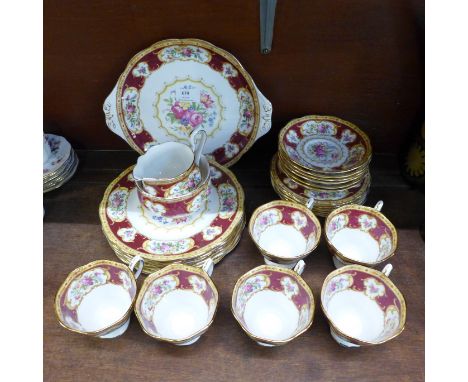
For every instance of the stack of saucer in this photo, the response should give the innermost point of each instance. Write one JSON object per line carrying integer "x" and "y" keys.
{"x": 212, "y": 232}
{"x": 322, "y": 157}
{"x": 59, "y": 163}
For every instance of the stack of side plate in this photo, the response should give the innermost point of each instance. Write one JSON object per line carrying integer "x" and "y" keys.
{"x": 325, "y": 158}
{"x": 213, "y": 232}
{"x": 61, "y": 164}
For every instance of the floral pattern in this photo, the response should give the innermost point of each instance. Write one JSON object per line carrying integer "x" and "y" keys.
{"x": 155, "y": 208}
{"x": 337, "y": 284}
{"x": 251, "y": 286}
{"x": 198, "y": 201}
{"x": 83, "y": 285}
{"x": 184, "y": 52}
{"x": 231, "y": 150}
{"x": 198, "y": 284}
{"x": 303, "y": 317}
{"x": 188, "y": 106}
{"x": 158, "y": 288}
{"x": 311, "y": 240}
{"x": 290, "y": 287}
{"x": 228, "y": 70}
{"x": 324, "y": 152}
{"x": 290, "y": 183}
{"x": 347, "y": 137}
{"x": 169, "y": 247}
{"x": 326, "y": 195}
{"x": 391, "y": 322}
{"x": 247, "y": 112}
{"x": 141, "y": 70}
{"x": 373, "y": 289}
{"x": 355, "y": 155}
{"x": 367, "y": 222}
{"x": 385, "y": 246}
{"x": 186, "y": 186}
{"x": 209, "y": 233}
{"x": 117, "y": 204}
{"x": 336, "y": 224}
{"x": 127, "y": 234}
{"x": 299, "y": 220}
{"x": 228, "y": 200}
{"x": 266, "y": 219}
{"x": 214, "y": 173}
{"x": 292, "y": 137}
{"x": 318, "y": 128}
{"x": 131, "y": 112}
{"x": 126, "y": 282}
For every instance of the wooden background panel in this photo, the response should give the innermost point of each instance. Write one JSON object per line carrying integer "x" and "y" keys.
{"x": 361, "y": 60}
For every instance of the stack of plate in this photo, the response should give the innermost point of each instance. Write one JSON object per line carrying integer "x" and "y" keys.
{"x": 60, "y": 164}
{"x": 212, "y": 232}
{"x": 322, "y": 157}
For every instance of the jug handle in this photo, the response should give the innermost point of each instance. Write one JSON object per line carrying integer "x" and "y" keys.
{"x": 198, "y": 147}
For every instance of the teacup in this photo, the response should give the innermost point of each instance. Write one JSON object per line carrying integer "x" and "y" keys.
{"x": 273, "y": 305}
{"x": 97, "y": 299}
{"x": 170, "y": 169}
{"x": 182, "y": 206}
{"x": 178, "y": 303}
{"x": 363, "y": 306}
{"x": 360, "y": 235}
{"x": 284, "y": 232}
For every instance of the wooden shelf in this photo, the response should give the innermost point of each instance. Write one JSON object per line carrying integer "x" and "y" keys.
{"x": 73, "y": 237}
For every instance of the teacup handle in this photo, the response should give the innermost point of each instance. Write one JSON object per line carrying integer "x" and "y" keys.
{"x": 136, "y": 260}
{"x": 208, "y": 266}
{"x": 198, "y": 147}
{"x": 378, "y": 206}
{"x": 387, "y": 269}
{"x": 310, "y": 203}
{"x": 299, "y": 268}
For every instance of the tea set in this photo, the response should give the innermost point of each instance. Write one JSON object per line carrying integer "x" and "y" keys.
{"x": 191, "y": 110}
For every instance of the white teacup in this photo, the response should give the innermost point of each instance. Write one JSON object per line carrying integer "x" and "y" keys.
{"x": 97, "y": 299}
{"x": 178, "y": 303}
{"x": 360, "y": 235}
{"x": 273, "y": 305}
{"x": 284, "y": 232}
{"x": 363, "y": 306}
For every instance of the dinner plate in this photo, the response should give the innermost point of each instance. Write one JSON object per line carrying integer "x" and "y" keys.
{"x": 128, "y": 228}
{"x": 176, "y": 85}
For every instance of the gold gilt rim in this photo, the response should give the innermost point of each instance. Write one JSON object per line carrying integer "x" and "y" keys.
{"x": 303, "y": 209}
{"x": 369, "y": 210}
{"x": 174, "y": 179}
{"x": 387, "y": 282}
{"x": 165, "y": 270}
{"x": 285, "y": 162}
{"x": 203, "y": 44}
{"x": 348, "y": 124}
{"x": 71, "y": 277}
{"x": 275, "y": 177}
{"x": 289, "y": 272}
{"x": 179, "y": 257}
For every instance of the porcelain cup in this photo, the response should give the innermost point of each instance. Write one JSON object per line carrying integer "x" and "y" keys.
{"x": 97, "y": 299}
{"x": 46, "y": 151}
{"x": 175, "y": 209}
{"x": 360, "y": 235}
{"x": 273, "y": 305}
{"x": 170, "y": 169}
{"x": 178, "y": 303}
{"x": 363, "y": 306}
{"x": 284, "y": 232}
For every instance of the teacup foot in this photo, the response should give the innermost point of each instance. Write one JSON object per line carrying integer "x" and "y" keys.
{"x": 117, "y": 332}
{"x": 338, "y": 263}
{"x": 265, "y": 344}
{"x": 342, "y": 341}
{"x": 287, "y": 266}
{"x": 189, "y": 342}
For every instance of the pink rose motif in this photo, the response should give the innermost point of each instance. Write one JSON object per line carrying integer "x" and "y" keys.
{"x": 187, "y": 52}
{"x": 196, "y": 119}
{"x": 177, "y": 110}
{"x": 206, "y": 100}
{"x": 186, "y": 116}
{"x": 247, "y": 114}
{"x": 320, "y": 150}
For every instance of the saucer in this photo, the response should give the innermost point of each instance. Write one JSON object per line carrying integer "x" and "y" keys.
{"x": 160, "y": 241}
{"x": 177, "y": 85}
{"x": 60, "y": 152}
{"x": 62, "y": 175}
